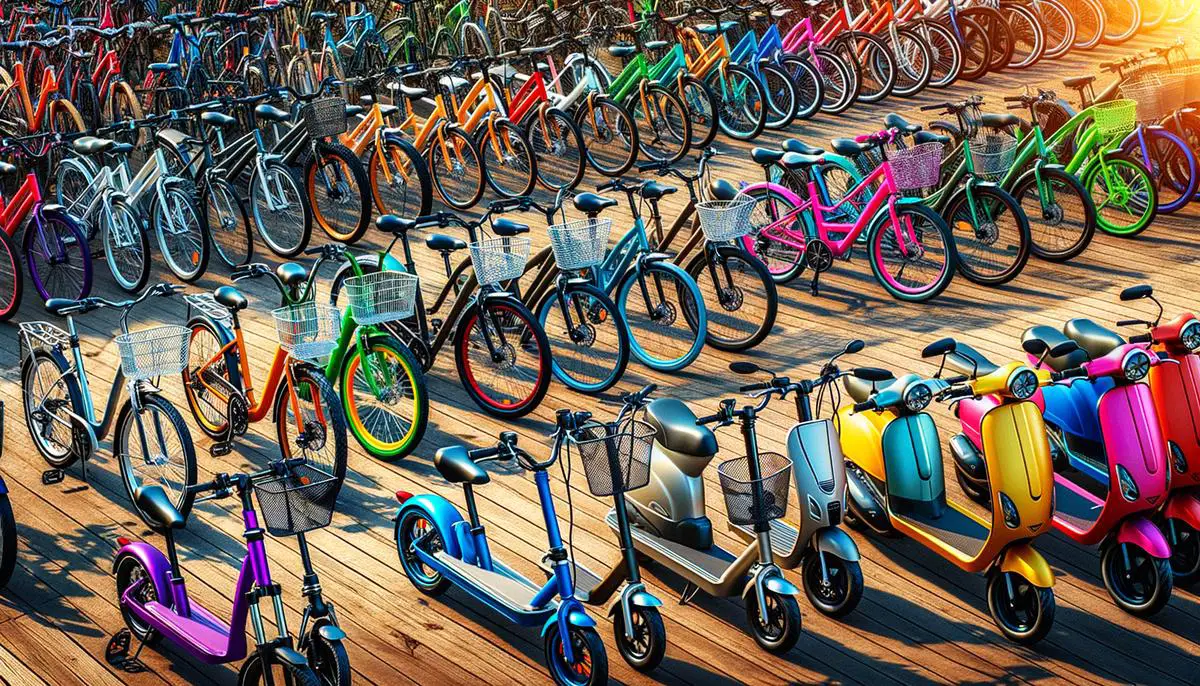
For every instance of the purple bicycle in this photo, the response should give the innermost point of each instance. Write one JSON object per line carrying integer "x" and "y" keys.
{"x": 294, "y": 497}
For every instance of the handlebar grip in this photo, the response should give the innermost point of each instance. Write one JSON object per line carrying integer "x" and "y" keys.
{"x": 935, "y": 106}
{"x": 957, "y": 379}
{"x": 1014, "y": 98}
{"x": 864, "y": 406}
{"x": 314, "y": 251}
{"x": 1141, "y": 338}
{"x": 709, "y": 419}
{"x": 1019, "y": 106}
{"x": 647, "y": 390}
{"x": 762, "y": 386}
{"x": 1074, "y": 373}
{"x": 1129, "y": 322}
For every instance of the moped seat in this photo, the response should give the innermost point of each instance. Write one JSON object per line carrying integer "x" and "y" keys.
{"x": 967, "y": 360}
{"x": 395, "y": 225}
{"x": 999, "y": 120}
{"x": 849, "y": 147}
{"x": 621, "y": 50}
{"x": 766, "y": 156}
{"x": 861, "y": 389}
{"x": 799, "y": 146}
{"x": 454, "y": 463}
{"x": 1096, "y": 340}
{"x": 590, "y": 203}
{"x": 153, "y": 501}
{"x": 677, "y": 430}
{"x": 796, "y": 162}
{"x": 442, "y": 242}
{"x": 272, "y": 113}
{"x": 895, "y": 121}
{"x": 291, "y": 274}
{"x": 507, "y": 227}
{"x": 218, "y": 119}
{"x": 653, "y": 190}
{"x": 930, "y": 137}
{"x": 1078, "y": 81}
{"x": 1052, "y": 337}
{"x": 231, "y": 298}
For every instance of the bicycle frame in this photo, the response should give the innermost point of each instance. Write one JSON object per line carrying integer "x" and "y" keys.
{"x": 35, "y": 115}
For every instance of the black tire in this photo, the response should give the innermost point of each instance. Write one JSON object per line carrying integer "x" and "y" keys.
{"x": 251, "y": 674}
{"x": 12, "y": 281}
{"x": 992, "y": 251}
{"x": 323, "y": 445}
{"x": 808, "y": 84}
{"x": 750, "y": 112}
{"x": 1185, "y": 551}
{"x": 338, "y": 191}
{"x": 40, "y": 372}
{"x": 1029, "y": 38}
{"x": 328, "y": 659}
{"x": 1141, "y": 590}
{"x": 702, "y": 108}
{"x": 522, "y": 335}
{"x": 999, "y": 34}
{"x": 129, "y": 570}
{"x": 931, "y": 220}
{"x": 396, "y": 196}
{"x": 159, "y": 419}
{"x": 781, "y": 96}
{"x": 609, "y": 135}
{"x": 586, "y": 643}
{"x": 8, "y": 540}
{"x": 840, "y": 596}
{"x": 511, "y": 171}
{"x": 287, "y": 227}
{"x": 1089, "y": 19}
{"x": 412, "y": 526}
{"x": 185, "y": 253}
{"x": 664, "y": 132}
{"x": 465, "y": 162}
{"x": 598, "y": 309}
{"x": 558, "y": 148}
{"x": 228, "y": 223}
{"x": 1058, "y": 26}
{"x": 649, "y": 643}
{"x": 782, "y": 630}
{"x": 1054, "y": 234}
{"x": 976, "y": 49}
{"x": 732, "y": 325}
{"x": 877, "y": 67}
{"x": 1122, "y": 19}
{"x": 945, "y": 51}
{"x": 915, "y": 69}
{"x": 1024, "y": 616}
{"x": 130, "y": 264}
{"x": 840, "y": 81}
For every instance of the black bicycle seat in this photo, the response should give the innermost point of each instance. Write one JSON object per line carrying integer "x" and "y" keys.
{"x": 999, "y": 121}
{"x": 895, "y": 121}
{"x": 413, "y": 92}
{"x": 323, "y": 16}
{"x": 1078, "y": 81}
{"x": 621, "y": 50}
{"x": 154, "y": 503}
{"x": 291, "y": 274}
{"x": 272, "y": 113}
{"x": 454, "y": 463}
{"x": 6, "y": 168}
{"x": 218, "y": 119}
{"x": 796, "y": 145}
{"x": 795, "y": 161}
{"x": 930, "y": 137}
{"x": 766, "y": 156}
{"x": 394, "y": 225}
{"x": 653, "y": 190}
{"x": 230, "y": 298}
{"x": 507, "y": 227}
{"x": 443, "y": 243}
{"x": 849, "y": 147}
{"x": 593, "y": 204}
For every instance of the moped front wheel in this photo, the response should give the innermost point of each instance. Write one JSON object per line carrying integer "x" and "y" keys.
{"x": 776, "y": 628}
{"x": 646, "y": 649}
{"x": 1023, "y": 612}
{"x": 1138, "y": 582}
{"x": 836, "y": 592}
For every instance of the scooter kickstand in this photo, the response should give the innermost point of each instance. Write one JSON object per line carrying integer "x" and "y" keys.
{"x": 689, "y": 591}
{"x": 117, "y": 653}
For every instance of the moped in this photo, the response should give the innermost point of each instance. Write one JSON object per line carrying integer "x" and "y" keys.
{"x": 896, "y": 482}
{"x": 438, "y": 548}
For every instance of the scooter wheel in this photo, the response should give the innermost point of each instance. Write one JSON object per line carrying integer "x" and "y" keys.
{"x": 1023, "y": 612}
{"x": 779, "y": 627}
{"x": 591, "y": 662}
{"x": 411, "y": 527}
{"x": 844, "y": 589}
{"x": 1143, "y": 586}
{"x": 1185, "y": 551}
{"x": 328, "y": 658}
{"x": 130, "y": 570}
{"x": 646, "y": 649}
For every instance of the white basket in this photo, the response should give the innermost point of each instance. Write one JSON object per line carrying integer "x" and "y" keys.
{"x": 499, "y": 259}
{"x": 157, "y": 351}
{"x": 307, "y": 330}
{"x": 992, "y": 155}
{"x": 579, "y": 244}
{"x": 382, "y": 296}
{"x": 725, "y": 220}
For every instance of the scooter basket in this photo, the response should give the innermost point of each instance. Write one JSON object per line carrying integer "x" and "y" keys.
{"x": 307, "y": 330}
{"x": 616, "y": 457}
{"x": 725, "y": 220}
{"x": 157, "y": 351}
{"x": 992, "y": 155}
{"x": 499, "y": 259}
{"x": 579, "y": 244}
{"x": 917, "y": 167}
{"x": 740, "y": 489}
{"x": 324, "y": 117}
{"x": 1115, "y": 118}
{"x": 382, "y": 296}
{"x": 299, "y": 501}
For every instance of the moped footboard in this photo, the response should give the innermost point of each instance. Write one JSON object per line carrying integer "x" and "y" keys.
{"x": 1138, "y": 530}
{"x": 1023, "y": 560}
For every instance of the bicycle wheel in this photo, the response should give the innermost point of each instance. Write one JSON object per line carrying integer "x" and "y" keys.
{"x": 1029, "y": 40}
{"x": 503, "y": 357}
{"x": 208, "y": 408}
{"x": 916, "y": 260}
{"x": 123, "y": 106}
{"x": 182, "y": 237}
{"x": 336, "y": 183}
{"x": 126, "y": 248}
{"x": 874, "y": 57}
{"x": 49, "y": 393}
{"x": 1089, "y": 20}
{"x": 309, "y": 422}
{"x": 1062, "y": 226}
{"x": 155, "y": 448}
{"x": 400, "y": 183}
{"x": 946, "y": 54}
{"x": 662, "y": 122}
{"x": 57, "y": 257}
{"x": 702, "y": 108}
{"x": 991, "y": 234}
{"x": 1154, "y": 12}
{"x": 557, "y": 148}
{"x": 741, "y": 102}
{"x": 914, "y": 63}
{"x": 783, "y": 256}
{"x": 661, "y": 335}
{"x": 1124, "y": 194}
{"x": 456, "y": 167}
{"x": 781, "y": 96}
{"x": 280, "y": 209}
{"x": 508, "y": 162}
{"x": 739, "y": 294}
{"x": 12, "y": 283}
{"x": 387, "y": 413}
{"x": 609, "y": 136}
{"x": 228, "y": 223}
{"x": 976, "y": 48}
{"x": 1171, "y": 163}
{"x": 1180, "y": 11}
{"x": 999, "y": 34}
{"x": 591, "y": 353}
{"x": 807, "y": 84}
{"x": 474, "y": 40}
{"x": 840, "y": 81}
{"x": 1122, "y": 19}
{"x": 1058, "y": 26}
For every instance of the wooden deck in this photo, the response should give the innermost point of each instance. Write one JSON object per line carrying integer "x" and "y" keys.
{"x": 921, "y": 620}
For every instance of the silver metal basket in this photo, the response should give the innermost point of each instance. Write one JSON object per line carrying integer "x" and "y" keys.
{"x": 382, "y": 296}
{"x": 157, "y": 351}
{"x": 206, "y": 304}
{"x": 42, "y": 335}
{"x": 579, "y": 244}
{"x": 992, "y": 155}
{"x": 324, "y": 117}
{"x": 917, "y": 167}
{"x": 725, "y": 220}
{"x": 307, "y": 330}
{"x": 499, "y": 259}
{"x": 1157, "y": 95}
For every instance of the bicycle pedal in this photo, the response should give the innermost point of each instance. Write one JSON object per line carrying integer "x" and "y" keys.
{"x": 220, "y": 449}
{"x": 53, "y": 476}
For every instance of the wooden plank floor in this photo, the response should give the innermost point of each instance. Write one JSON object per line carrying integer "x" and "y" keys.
{"x": 921, "y": 620}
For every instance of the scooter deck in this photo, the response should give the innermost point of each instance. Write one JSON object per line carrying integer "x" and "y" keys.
{"x": 205, "y": 633}
{"x": 709, "y": 564}
{"x": 783, "y": 535}
{"x": 513, "y": 592}
{"x": 1077, "y": 510}
{"x": 954, "y": 527}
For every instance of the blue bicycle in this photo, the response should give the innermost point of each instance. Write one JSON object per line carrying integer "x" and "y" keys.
{"x": 438, "y": 548}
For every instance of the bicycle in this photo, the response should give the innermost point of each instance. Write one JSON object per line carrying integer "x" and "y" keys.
{"x": 150, "y": 439}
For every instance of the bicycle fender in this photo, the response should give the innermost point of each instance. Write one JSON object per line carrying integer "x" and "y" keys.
{"x": 330, "y": 632}
{"x": 290, "y": 656}
{"x": 437, "y": 510}
{"x": 224, "y": 337}
{"x": 153, "y": 561}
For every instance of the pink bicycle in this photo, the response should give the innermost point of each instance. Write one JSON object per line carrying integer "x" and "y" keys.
{"x": 910, "y": 248}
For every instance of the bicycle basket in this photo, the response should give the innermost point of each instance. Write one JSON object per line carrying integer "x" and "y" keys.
{"x": 739, "y": 488}
{"x": 382, "y": 296}
{"x": 1115, "y": 118}
{"x": 579, "y": 244}
{"x": 725, "y": 220}
{"x": 307, "y": 330}
{"x": 616, "y": 457}
{"x": 499, "y": 259}
{"x": 153, "y": 352}
{"x": 299, "y": 501}
{"x": 992, "y": 155}
{"x": 917, "y": 167}
{"x": 1156, "y": 95}
{"x": 324, "y": 117}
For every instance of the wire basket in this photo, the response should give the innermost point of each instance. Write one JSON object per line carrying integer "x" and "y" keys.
{"x": 616, "y": 457}
{"x": 307, "y": 330}
{"x": 1157, "y": 95}
{"x": 299, "y": 501}
{"x": 917, "y": 167}
{"x": 992, "y": 155}
{"x": 579, "y": 244}
{"x": 157, "y": 351}
{"x": 739, "y": 488}
{"x": 382, "y": 296}
{"x": 499, "y": 259}
{"x": 1190, "y": 71}
{"x": 725, "y": 220}
{"x": 324, "y": 117}
{"x": 1115, "y": 118}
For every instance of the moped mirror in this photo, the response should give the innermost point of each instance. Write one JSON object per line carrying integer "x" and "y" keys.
{"x": 872, "y": 374}
{"x": 939, "y": 347}
{"x": 744, "y": 367}
{"x": 1137, "y": 292}
{"x": 854, "y": 346}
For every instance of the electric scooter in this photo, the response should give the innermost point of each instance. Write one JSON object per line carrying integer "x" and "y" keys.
{"x": 438, "y": 548}
{"x": 826, "y": 556}
{"x": 896, "y": 484}
{"x": 672, "y": 528}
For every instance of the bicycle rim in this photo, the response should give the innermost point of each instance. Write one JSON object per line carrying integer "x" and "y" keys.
{"x": 740, "y": 299}
{"x": 911, "y": 268}
{"x": 388, "y": 422}
{"x": 180, "y": 235}
{"x": 659, "y": 332}
{"x": 279, "y": 211}
{"x": 125, "y": 249}
{"x": 587, "y": 354}
{"x": 1060, "y": 226}
{"x": 58, "y": 260}
{"x": 163, "y": 461}
{"x": 990, "y": 241}
{"x": 1124, "y": 197}
{"x": 513, "y": 380}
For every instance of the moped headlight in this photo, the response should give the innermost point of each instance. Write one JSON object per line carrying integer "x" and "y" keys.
{"x": 1136, "y": 365}
{"x": 1012, "y": 518}
{"x": 1129, "y": 489}
{"x": 1190, "y": 336}
{"x": 917, "y": 397}
{"x": 1023, "y": 383}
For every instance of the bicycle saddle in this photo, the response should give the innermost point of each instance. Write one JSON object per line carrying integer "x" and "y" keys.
{"x": 861, "y": 389}
{"x": 621, "y": 50}
{"x": 656, "y": 44}
{"x": 592, "y": 204}
{"x": 271, "y": 113}
{"x": 1078, "y": 81}
{"x": 714, "y": 29}
{"x": 230, "y": 298}
{"x": 454, "y": 83}
{"x": 413, "y": 92}
{"x": 503, "y": 71}
{"x": 849, "y": 147}
{"x": 720, "y": 189}
{"x": 507, "y": 227}
{"x": 1094, "y": 339}
{"x": 291, "y": 274}
{"x": 91, "y": 145}
{"x": 895, "y": 121}
{"x": 153, "y": 501}
{"x": 354, "y": 110}
{"x": 163, "y": 67}
{"x": 676, "y": 429}
{"x": 393, "y": 224}
{"x": 218, "y": 119}
{"x": 796, "y": 145}
{"x": 795, "y": 161}
{"x": 443, "y": 243}
{"x": 930, "y": 137}
{"x": 6, "y": 168}
{"x": 766, "y": 156}
{"x": 322, "y": 16}
{"x": 454, "y": 463}
{"x": 999, "y": 121}
{"x": 388, "y": 110}
{"x": 1052, "y": 337}
{"x": 228, "y": 17}
{"x": 56, "y": 305}
{"x": 178, "y": 18}
{"x": 653, "y": 190}
{"x": 967, "y": 360}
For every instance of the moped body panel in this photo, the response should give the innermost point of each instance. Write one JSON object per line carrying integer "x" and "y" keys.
{"x": 1176, "y": 392}
{"x": 912, "y": 456}
{"x": 1140, "y": 531}
{"x": 1022, "y": 559}
{"x": 819, "y": 474}
{"x": 1185, "y": 507}
{"x": 1071, "y": 406}
{"x": 1017, "y": 454}
{"x": 1132, "y": 439}
{"x": 861, "y": 438}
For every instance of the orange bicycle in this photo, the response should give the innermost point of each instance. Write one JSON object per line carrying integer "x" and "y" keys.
{"x": 19, "y": 114}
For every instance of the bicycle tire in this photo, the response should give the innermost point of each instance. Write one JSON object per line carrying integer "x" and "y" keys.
{"x": 12, "y": 281}
{"x": 460, "y": 150}
{"x": 731, "y": 326}
{"x": 598, "y": 310}
{"x": 327, "y": 450}
{"x": 394, "y": 196}
{"x": 401, "y": 362}
{"x": 1044, "y": 221}
{"x": 781, "y": 96}
{"x": 599, "y": 133}
{"x": 1092, "y": 173}
{"x": 1090, "y": 21}
{"x": 701, "y": 106}
{"x": 269, "y": 221}
{"x": 126, "y": 438}
{"x": 807, "y": 83}
{"x": 730, "y": 105}
{"x": 976, "y": 49}
{"x": 60, "y": 450}
{"x": 130, "y": 266}
{"x": 558, "y": 148}
{"x": 662, "y": 311}
{"x": 945, "y": 50}
{"x": 228, "y": 223}
{"x": 338, "y": 193}
{"x": 998, "y": 32}
{"x": 840, "y": 81}
{"x": 978, "y": 242}
{"x": 876, "y": 240}
{"x": 877, "y": 67}
{"x": 1172, "y": 164}
{"x": 1122, "y": 19}
{"x": 664, "y": 129}
{"x": 8, "y": 540}
{"x": 76, "y": 252}
{"x": 914, "y": 72}
{"x": 1059, "y": 28}
{"x": 516, "y": 316}
{"x": 186, "y": 252}
{"x": 1154, "y": 13}
{"x": 509, "y": 166}
{"x": 1026, "y": 29}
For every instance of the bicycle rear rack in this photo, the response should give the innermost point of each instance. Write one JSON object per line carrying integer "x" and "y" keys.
{"x": 206, "y": 305}
{"x": 41, "y": 336}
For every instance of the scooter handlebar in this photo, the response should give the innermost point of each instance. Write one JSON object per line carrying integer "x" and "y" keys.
{"x": 865, "y": 405}
{"x": 1141, "y": 338}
